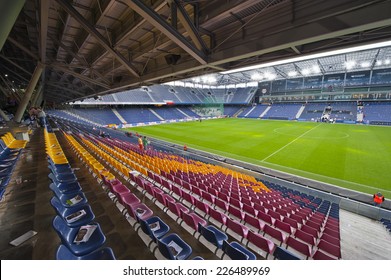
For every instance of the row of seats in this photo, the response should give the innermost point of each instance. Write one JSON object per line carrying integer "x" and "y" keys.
{"x": 141, "y": 216}
{"x": 81, "y": 237}
{"x": 189, "y": 219}
{"x": 237, "y": 214}
{"x": 111, "y": 185}
{"x": 10, "y": 150}
{"x": 284, "y": 239}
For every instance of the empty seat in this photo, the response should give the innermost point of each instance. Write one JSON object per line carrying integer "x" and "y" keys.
{"x": 260, "y": 244}
{"x": 75, "y": 216}
{"x": 283, "y": 226}
{"x": 319, "y": 255}
{"x": 218, "y": 218}
{"x": 236, "y": 212}
{"x": 283, "y": 254}
{"x": 192, "y": 220}
{"x": 329, "y": 248}
{"x": 154, "y": 227}
{"x": 275, "y": 234}
{"x": 212, "y": 235}
{"x": 177, "y": 208}
{"x": 236, "y": 229}
{"x": 63, "y": 253}
{"x": 306, "y": 237}
{"x": 300, "y": 247}
{"x": 139, "y": 211}
{"x": 237, "y": 252}
{"x": 255, "y": 223}
{"x": 172, "y": 247}
{"x": 68, "y": 237}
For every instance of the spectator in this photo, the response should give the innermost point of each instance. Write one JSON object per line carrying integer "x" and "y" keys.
{"x": 145, "y": 142}
{"x": 378, "y": 199}
{"x": 41, "y": 116}
{"x": 140, "y": 143}
{"x": 185, "y": 148}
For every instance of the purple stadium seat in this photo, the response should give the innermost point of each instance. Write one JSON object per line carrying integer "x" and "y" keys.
{"x": 329, "y": 248}
{"x": 192, "y": 220}
{"x": 236, "y": 227}
{"x": 256, "y": 223}
{"x": 259, "y": 243}
{"x": 300, "y": 247}
{"x": 236, "y": 212}
{"x": 218, "y": 218}
{"x": 306, "y": 237}
{"x": 275, "y": 233}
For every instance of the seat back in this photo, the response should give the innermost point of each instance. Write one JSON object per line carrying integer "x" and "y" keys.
{"x": 233, "y": 253}
{"x": 283, "y": 254}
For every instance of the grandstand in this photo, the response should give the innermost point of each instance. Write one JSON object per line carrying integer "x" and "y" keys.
{"x": 159, "y": 133}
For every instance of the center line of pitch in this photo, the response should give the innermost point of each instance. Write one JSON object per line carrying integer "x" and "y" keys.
{"x": 290, "y": 143}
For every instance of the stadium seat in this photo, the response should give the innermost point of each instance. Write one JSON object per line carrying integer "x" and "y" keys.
{"x": 154, "y": 227}
{"x": 235, "y": 251}
{"x": 172, "y": 247}
{"x": 283, "y": 254}
{"x": 213, "y": 235}
{"x": 260, "y": 244}
{"x": 68, "y": 235}
{"x": 63, "y": 253}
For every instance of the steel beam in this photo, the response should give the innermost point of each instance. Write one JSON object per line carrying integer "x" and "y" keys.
{"x": 44, "y": 28}
{"x": 152, "y": 17}
{"x": 67, "y": 6}
{"x": 190, "y": 28}
{"x": 23, "y": 48}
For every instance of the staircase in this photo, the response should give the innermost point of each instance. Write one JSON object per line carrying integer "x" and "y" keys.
{"x": 252, "y": 109}
{"x": 118, "y": 115}
{"x": 264, "y": 112}
{"x": 301, "y": 110}
{"x": 183, "y": 113}
{"x": 156, "y": 114}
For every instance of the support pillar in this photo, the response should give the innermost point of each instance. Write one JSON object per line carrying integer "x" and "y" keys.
{"x": 29, "y": 91}
{"x": 4, "y": 116}
{"x": 36, "y": 97}
{"x": 10, "y": 10}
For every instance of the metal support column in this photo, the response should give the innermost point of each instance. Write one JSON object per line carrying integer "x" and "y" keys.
{"x": 29, "y": 91}
{"x": 4, "y": 116}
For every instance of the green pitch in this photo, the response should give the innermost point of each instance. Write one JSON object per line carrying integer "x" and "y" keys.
{"x": 351, "y": 156}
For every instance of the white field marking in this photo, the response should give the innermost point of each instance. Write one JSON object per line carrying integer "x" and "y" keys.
{"x": 250, "y": 161}
{"x": 323, "y": 176}
{"x": 345, "y": 135}
{"x": 294, "y": 140}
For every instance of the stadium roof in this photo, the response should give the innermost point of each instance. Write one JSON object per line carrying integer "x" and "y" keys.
{"x": 91, "y": 48}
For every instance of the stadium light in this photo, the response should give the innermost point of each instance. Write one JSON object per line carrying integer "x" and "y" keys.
{"x": 312, "y": 56}
{"x": 350, "y": 64}
{"x": 292, "y": 74}
{"x": 379, "y": 62}
{"x": 256, "y": 77}
{"x": 306, "y": 72}
{"x": 387, "y": 61}
{"x": 316, "y": 69}
{"x": 365, "y": 64}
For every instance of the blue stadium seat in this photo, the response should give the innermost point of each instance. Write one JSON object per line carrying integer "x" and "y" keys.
{"x": 237, "y": 252}
{"x": 68, "y": 234}
{"x": 169, "y": 246}
{"x": 63, "y": 253}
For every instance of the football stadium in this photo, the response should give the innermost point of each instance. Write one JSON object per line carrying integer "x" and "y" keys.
{"x": 195, "y": 130}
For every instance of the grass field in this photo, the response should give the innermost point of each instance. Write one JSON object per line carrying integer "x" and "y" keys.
{"x": 351, "y": 156}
